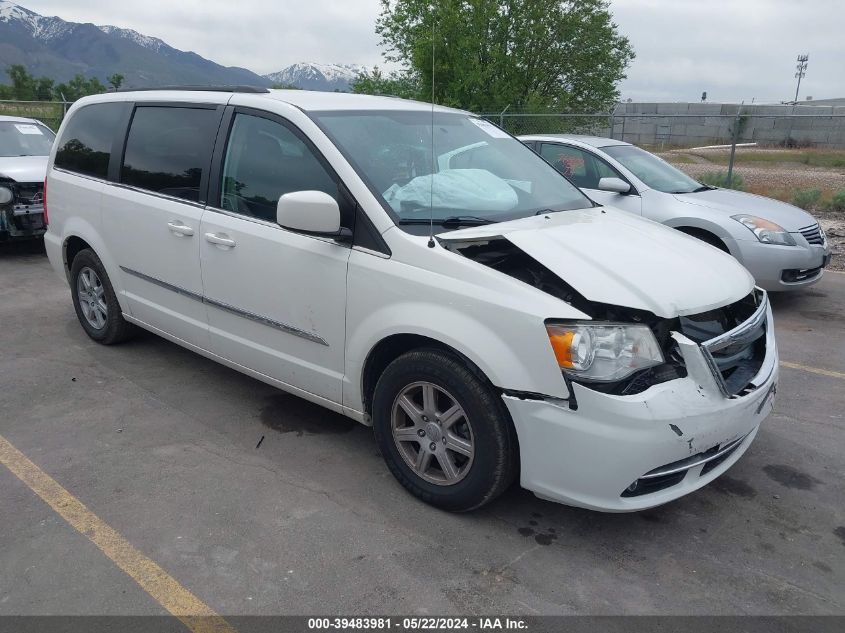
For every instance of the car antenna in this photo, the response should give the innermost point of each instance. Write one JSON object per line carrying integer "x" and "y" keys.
{"x": 431, "y": 181}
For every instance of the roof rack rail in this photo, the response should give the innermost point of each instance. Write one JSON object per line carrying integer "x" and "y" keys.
{"x": 248, "y": 89}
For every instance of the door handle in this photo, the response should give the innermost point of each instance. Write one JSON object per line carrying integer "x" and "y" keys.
{"x": 180, "y": 229}
{"x": 219, "y": 240}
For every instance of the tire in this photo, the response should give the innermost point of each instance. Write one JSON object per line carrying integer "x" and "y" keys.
{"x": 108, "y": 327}
{"x": 472, "y": 480}
{"x": 706, "y": 237}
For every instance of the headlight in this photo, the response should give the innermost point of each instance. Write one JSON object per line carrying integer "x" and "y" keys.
{"x": 766, "y": 231}
{"x": 6, "y": 195}
{"x": 603, "y": 352}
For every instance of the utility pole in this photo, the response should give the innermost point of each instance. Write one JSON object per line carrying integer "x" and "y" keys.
{"x": 801, "y": 67}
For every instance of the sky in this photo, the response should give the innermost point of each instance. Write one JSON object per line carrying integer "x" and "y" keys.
{"x": 736, "y": 50}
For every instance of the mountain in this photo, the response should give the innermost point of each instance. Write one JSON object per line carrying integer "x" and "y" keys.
{"x": 311, "y": 76}
{"x": 58, "y": 49}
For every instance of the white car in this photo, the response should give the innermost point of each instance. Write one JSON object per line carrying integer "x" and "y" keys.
{"x": 784, "y": 247}
{"x": 24, "y": 147}
{"x": 488, "y": 321}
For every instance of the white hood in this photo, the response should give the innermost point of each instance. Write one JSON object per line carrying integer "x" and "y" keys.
{"x": 24, "y": 168}
{"x": 613, "y": 257}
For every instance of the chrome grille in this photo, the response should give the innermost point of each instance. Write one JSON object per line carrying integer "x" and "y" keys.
{"x": 732, "y": 340}
{"x": 813, "y": 234}
{"x": 736, "y": 356}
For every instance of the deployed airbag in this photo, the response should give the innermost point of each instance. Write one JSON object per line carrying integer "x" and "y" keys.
{"x": 461, "y": 190}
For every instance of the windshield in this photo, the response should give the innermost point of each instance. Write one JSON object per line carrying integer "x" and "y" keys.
{"x": 25, "y": 139}
{"x": 479, "y": 174}
{"x": 653, "y": 171}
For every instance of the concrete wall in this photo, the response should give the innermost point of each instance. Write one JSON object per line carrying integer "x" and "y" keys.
{"x": 708, "y": 123}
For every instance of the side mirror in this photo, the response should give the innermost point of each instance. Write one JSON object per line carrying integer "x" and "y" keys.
{"x": 615, "y": 185}
{"x": 311, "y": 212}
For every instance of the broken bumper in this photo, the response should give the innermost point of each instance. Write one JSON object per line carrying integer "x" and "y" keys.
{"x": 21, "y": 222}
{"x": 665, "y": 442}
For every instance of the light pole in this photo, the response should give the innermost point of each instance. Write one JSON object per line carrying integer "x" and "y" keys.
{"x": 801, "y": 67}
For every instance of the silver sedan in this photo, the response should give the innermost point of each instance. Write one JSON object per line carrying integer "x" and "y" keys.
{"x": 783, "y": 246}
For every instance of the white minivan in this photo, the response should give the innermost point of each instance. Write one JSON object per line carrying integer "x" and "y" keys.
{"x": 421, "y": 271}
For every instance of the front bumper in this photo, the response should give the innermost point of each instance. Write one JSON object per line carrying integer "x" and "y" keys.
{"x": 21, "y": 222}
{"x": 768, "y": 263}
{"x": 589, "y": 457}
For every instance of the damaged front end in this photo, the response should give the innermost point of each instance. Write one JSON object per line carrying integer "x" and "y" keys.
{"x": 668, "y": 425}
{"x": 21, "y": 210}
{"x": 732, "y": 359}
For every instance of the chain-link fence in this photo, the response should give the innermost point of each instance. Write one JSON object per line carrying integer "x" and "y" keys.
{"x": 667, "y": 131}
{"x": 50, "y": 113}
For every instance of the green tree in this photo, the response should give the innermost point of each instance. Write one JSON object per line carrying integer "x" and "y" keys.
{"x": 536, "y": 55}
{"x": 115, "y": 80}
{"x": 23, "y": 84}
{"x": 397, "y": 84}
{"x": 79, "y": 87}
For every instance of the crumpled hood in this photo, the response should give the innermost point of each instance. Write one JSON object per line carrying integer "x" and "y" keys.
{"x": 613, "y": 257}
{"x": 24, "y": 168}
{"x": 730, "y": 202}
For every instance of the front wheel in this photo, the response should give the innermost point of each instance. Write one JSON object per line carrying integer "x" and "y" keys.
{"x": 443, "y": 431}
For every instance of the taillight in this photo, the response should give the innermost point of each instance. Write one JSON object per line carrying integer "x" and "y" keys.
{"x": 44, "y": 202}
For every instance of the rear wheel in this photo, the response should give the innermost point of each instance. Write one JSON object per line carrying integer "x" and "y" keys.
{"x": 95, "y": 302}
{"x": 443, "y": 431}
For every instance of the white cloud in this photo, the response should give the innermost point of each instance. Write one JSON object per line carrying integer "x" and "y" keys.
{"x": 733, "y": 49}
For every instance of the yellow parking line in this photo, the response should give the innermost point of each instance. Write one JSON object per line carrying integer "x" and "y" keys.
{"x": 814, "y": 370}
{"x": 163, "y": 588}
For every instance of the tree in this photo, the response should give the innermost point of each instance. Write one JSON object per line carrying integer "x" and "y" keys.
{"x": 397, "y": 84}
{"x": 79, "y": 87}
{"x": 537, "y": 55}
{"x": 115, "y": 80}
{"x": 23, "y": 84}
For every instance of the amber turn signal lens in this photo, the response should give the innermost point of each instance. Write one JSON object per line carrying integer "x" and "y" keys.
{"x": 562, "y": 346}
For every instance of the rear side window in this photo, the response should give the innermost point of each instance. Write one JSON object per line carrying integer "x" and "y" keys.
{"x": 85, "y": 146}
{"x": 169, "y": 149}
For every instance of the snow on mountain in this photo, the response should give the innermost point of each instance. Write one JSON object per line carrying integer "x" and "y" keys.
{"x": 314, "y": 76}
{"x": 58, "y": 49}
{"x": 153, "y": 43}
{"x": 39, "y": 27}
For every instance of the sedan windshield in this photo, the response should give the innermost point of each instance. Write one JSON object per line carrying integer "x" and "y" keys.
{"x": 475, "y": 174}
{"x": 653, "y": 171}
{"x": 24, "y": 139}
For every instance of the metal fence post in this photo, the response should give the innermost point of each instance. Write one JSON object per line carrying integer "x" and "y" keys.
{"x": 502, "y": 116}
{"x": 734, "y": 139}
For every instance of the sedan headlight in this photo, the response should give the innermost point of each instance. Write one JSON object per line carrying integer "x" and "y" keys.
{"x": 765, "y": 231}
{"x": 603, "y": 352}
{"x": 6, "y": 195}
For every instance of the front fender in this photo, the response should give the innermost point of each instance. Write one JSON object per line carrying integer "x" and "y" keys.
{"x": 703, "y": 224}
{"x": 507, "y": 342}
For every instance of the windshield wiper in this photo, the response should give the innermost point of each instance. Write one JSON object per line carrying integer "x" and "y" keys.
{"x": 452, "y": 221}
{"x": 696, "y": 190}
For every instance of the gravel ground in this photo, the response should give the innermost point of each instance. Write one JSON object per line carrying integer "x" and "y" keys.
{"x": 833, "y": 223}
{"x": 778, "y": 176}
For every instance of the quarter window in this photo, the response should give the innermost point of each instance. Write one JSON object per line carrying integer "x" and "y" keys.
{"x": 583, "y": 168}
{"x": 85, "y": 146}
{"x": 168, "y": 150}
{"x": 265, "y": 160}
